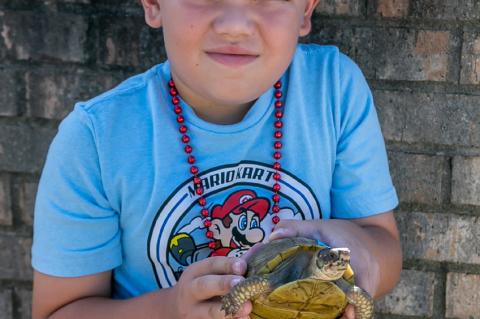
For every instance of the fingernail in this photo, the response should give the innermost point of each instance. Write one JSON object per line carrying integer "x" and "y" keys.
{"x": 235, "y": 281}
{"x": 278, "y": 232}
{"x": 237, "y": 267}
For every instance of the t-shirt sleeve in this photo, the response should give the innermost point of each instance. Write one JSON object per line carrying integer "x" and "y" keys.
{"x": 361, "y": 184}
{"x": 76, "y": 232}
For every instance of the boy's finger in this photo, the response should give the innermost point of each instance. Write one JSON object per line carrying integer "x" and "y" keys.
{"x": 218, "y": 265}
{"x": 209, "y": 286}
{"x": 349, "y": 312}
{"x": 244, "y": 311}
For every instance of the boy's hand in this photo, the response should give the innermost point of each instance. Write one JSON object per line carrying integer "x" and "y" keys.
{"x": 195, "y": 296}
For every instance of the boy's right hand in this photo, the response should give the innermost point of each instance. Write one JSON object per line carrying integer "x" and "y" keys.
{"x": 196, "y": 294}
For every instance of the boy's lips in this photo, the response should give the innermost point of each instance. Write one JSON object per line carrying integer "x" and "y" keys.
{"x": 232, "y": 60}
{"x": 232, "y": 56}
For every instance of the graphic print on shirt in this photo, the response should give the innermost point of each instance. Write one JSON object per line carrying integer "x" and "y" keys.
{"x": 239, "y": 200}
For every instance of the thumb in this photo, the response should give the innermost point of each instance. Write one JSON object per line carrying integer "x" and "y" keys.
{"x": 284, "y": 229}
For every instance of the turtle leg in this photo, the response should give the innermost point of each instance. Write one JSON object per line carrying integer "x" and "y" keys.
{"x": 243, "y": 291}
{"x": 362, "y": 301}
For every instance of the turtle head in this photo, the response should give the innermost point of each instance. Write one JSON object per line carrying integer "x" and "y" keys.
{"x": 331, "y": 263}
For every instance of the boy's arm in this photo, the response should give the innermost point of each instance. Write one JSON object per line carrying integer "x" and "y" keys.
{"x": 89, "y": 297}
{"x": 374, "y": 242}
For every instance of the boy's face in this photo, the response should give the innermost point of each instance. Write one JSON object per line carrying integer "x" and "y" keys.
{"x": 228, "y": 52}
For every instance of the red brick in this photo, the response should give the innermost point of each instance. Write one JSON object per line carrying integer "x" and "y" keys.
{"x": 393, "y": 8}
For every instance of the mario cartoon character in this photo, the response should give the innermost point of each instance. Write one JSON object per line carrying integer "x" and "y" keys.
{"x": 236, "y": 223}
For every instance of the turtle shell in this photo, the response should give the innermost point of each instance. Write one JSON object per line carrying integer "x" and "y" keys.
{"x": 300, "y": 299}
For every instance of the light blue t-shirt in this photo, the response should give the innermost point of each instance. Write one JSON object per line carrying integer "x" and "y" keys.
{"x": 115, "y": 192}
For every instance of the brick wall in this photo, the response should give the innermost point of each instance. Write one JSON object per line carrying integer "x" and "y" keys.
{"x": 422, "y": 60}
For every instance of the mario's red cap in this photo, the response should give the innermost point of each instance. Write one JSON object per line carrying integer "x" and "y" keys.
{"x": 242, "y": 200}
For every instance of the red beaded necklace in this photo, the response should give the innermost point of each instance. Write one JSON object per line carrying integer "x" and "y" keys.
{"x": 194, "y": 171}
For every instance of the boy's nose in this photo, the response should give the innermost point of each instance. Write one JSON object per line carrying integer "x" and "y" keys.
{"x": 234, "y": 21}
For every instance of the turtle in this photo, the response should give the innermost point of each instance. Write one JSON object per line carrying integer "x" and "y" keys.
{"x": 298, "y": 278}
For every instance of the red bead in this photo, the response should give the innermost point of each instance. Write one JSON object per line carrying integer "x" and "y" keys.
{"x": 199, "y": 191}
{"x": 276, "y": 187}
{"x": 276, "y": 176}
{"x": 277, "y": 145}
{"x": 278, "y": 104}
{"x": 171, "y": 83}
{"x": 175, "y": 100}
{"x": 202, "y": 201}
{"x": 209, "y": 234}
{"x": 277, "y": 155}
{"x": 275, "y": 219}
{"x": 276, "y": 198}
{"x": 207, "y": 223}
{"x": 194, "y": 170}
{"x": 276, "y": 166}
{"x": 173, "y": 91}
{"x": 191, "y": 159}
{"x": 188, "y": 149}
{"x": 279, "y": 114}
{"x": 278, "y": 85}
{"x": 278, "y": 124}
{"x": 276, "y": 208}
{"x": 197, "y": 180}
{"x": 182, "y": 129}
{"x": 212, "y": 245}
{"x": 205, "y": 212}
{"x": 278, "y": 94}
{"x": 278, "y": 134}
{"x": 177, "y": 109}
{"x": 180, "y": 119}
{"x": 185, "y": 139}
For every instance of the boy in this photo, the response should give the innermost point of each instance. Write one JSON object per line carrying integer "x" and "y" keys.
{"x": 175, "y": 165}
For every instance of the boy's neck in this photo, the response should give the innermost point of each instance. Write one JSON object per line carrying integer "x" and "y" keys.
{"x": 226, "y": 114}
{"x": 213, "y": 112}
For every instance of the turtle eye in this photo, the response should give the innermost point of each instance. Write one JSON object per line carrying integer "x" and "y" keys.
{"x": 242, "y": 222}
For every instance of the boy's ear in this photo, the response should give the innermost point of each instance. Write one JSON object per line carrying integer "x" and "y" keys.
{"x": 152, "y": 11}
{"x": 306, "y": 26}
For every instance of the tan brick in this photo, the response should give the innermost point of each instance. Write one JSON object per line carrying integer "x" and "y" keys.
{"x": 463, "y": 296}
{"x": 23, "y": 147}
{"x": 340, "y": 7}
{"x": 15, "y": 257}
{"x": 393, "y": 8}
{"x": 24, "y": 310}
{"x": 419, "y": 178}
{"x": 470, "y": 73}
{"x": 466, "y": 180}
{"x": 26, "y": 201}
{"x": 32, "y": 35}
{"x": 51, "y": 94}
{"x": 451, "y": 119}
{"x": 440, "y": 237}
{"x": 6, "y": 308}
{"x": 5, "y": 201}
{"x": 413, "y": 296}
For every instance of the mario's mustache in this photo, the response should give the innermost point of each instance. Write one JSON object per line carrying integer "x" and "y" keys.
{"x": 239, "y": 237}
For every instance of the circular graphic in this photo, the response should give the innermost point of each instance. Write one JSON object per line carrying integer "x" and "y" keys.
{"x": 239, "y": 198}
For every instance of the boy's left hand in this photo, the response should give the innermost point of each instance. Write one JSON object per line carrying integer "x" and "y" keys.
{"x": 373, "y": 242}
